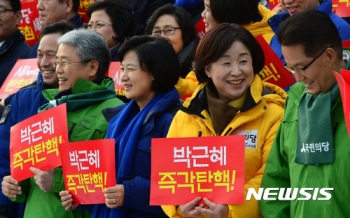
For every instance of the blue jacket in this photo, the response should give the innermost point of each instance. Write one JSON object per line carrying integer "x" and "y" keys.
{"x": 326, "y": 7}
{"x": 189, "y": 5}
{"x": 137, "y": 190}
{"x": 14, "y": 48}
{"x": 76, "y": 20}
{"x": 24, "y": 104}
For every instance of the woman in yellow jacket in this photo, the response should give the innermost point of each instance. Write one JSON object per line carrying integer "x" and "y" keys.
{"x": 248, "y": 13}
{"x": 230, "y": 100}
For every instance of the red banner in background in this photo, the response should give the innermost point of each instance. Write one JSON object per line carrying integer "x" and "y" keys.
{"x": 23, "y": 73}
{"x": 34, "y": 142}
{"x": 343, "y": 80}
{"x": 84, "y": 5}
{"x": 88, "y": 169}
{"x": 30, "y": 24}
{"x": 273, "y": 3}
{"x": 346, "y": 44}
{"x": 341, "y": 7}
{"x": 274, "y": 72}
{"x": 185, "y": 168}
{"x": 200, "y": 27}
{"x": 114, "y": 72}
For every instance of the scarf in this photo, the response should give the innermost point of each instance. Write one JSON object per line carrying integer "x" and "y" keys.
{"x": 125, "y": 128}
{"x": 315, "y": 144}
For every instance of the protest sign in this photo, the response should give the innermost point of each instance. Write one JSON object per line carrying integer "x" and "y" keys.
{"x": 34, "y": 142}
{"x": 82, "y": 11}
{"x": 114, "y": 72}
{"x": 343, "y": 80}
{"x": 88, "y": 169}
{"x": 23, "y": 73}
{"x": 185, "y": 168}
{"x": 341, "y": 7}
{"x": 274, "y": 72}
{"x": 273, "y": 3}
{"x": 30, "y": 24}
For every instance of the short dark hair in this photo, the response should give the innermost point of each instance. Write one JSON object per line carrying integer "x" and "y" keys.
{"x": 314, "y": 30}
{"x": 123, "y": 21}
{"x": 15, "y": 5}
{"x": 76, "y": 4}
{"x": 182, "y": 18}
{"x": 157, "y": 56}
{"x": 61, "y": 27}
{"x": 218, "y": 40}
{"x": 235, "y": 11}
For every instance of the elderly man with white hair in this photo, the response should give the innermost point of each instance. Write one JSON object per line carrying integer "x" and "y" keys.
{"x": 81, "y": 62}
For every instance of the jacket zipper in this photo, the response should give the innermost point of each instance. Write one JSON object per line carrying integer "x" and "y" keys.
{"x": 199, "y": 133}
{"x": 70, "y": 131}
{"x": 228, "y": 131}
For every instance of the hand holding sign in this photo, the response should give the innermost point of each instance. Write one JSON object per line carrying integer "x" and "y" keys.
{"x": 43, "y": 179}
{"x": 67, "y": 201}
{"x": 114, "y": 196}
{"x": 10, "y": 187}
{"x": 214, "y": 210}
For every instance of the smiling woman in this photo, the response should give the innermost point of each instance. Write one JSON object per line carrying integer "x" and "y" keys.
{"x": 230, "y": 100}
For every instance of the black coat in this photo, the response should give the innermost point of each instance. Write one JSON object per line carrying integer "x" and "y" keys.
{"x": 143, "y": 9}
{"x": 14, "y": 48}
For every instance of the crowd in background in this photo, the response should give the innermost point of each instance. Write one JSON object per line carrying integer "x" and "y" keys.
{"x": 162, "y": 59}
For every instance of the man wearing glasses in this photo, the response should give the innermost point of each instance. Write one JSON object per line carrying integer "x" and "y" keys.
{"x": 312, "y": 146}
{"x": 81, "y": 62}
{"x": 12, "y": 45}
{"x": 25, "y": 103}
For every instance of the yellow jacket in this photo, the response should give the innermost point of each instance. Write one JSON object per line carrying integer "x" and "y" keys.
{"x": 262, "y": 119}
{"x": 188, "y": 85}
{"x": 262, "y": 27}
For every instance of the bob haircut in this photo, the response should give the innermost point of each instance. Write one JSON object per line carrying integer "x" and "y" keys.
{"x": 123, "y": 22}
{"x": 318, "y": 33}
{"x": 218, "y": 40}
{"x": 157, "y": 56}
{"x": 183, "y": 19}
{"x": 235, "y": 11}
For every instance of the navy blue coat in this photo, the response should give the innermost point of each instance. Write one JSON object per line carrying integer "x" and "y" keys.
{"x": 326, "y": 7}
{"x": 14, "y": 48}
{"x": 137, "y": 190}
{"x": 24, "y": 104}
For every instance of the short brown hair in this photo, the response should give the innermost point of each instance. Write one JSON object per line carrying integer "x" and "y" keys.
{"x": 218, "y": 40}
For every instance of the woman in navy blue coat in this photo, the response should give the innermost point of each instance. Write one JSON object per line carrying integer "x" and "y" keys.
{"x": 150, "y": 70}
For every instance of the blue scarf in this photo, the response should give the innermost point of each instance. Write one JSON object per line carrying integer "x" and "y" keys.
{"x": 125, "y": 128}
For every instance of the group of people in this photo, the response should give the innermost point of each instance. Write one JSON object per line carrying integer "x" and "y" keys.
{"x": 162, "y": 60}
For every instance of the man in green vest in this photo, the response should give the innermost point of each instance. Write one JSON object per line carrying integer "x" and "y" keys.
{"x": 81, "y": 62}
{"x": 312, "y": 146}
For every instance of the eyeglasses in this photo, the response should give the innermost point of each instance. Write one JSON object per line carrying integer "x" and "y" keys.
{"x": 299, "y": 70}
{"x": 167, "y": 31}
{"x": 97, "y": 25}
{"x": 3, "y": 11}
{"x": 64, "y": 64}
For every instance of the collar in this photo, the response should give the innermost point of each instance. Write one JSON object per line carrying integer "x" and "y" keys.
{"x": 76, "y": 20}
{"x": 15, "y": 38}
{"x": 1, "y": 43}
